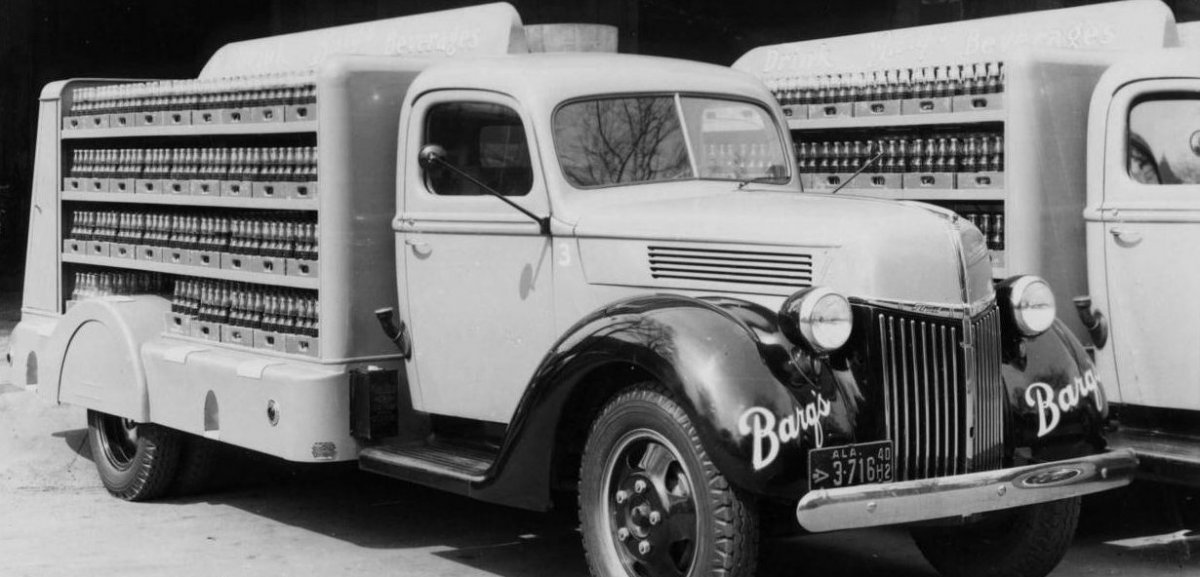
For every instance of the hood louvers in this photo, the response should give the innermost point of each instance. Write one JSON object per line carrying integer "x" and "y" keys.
{"x": 747, "y": 267}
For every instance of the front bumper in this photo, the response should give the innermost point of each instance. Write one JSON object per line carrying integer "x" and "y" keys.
{"x": 961, "y": 495}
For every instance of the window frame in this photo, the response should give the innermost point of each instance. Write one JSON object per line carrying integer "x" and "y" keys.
{"x": 427, "y": 114}
{"x": 1156, "y": 96}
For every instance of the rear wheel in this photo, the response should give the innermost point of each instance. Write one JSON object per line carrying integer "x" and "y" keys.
{"x": 1024, "y": 542}
{"x": 651, "y": 503}
{"x": 136, "y": 461}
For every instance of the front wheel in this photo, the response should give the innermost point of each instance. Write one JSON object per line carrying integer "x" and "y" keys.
{"x": 651, "y": 503}
{"x": 1023, "y": 542}
{"x": 136, "y": 461}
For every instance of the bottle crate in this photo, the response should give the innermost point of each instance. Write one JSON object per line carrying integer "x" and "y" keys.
{"x": 274, "y": 243}
{"x": 904, "y": 91}
{"x": 240, "y": 100}
{"x": 265, "y": 172}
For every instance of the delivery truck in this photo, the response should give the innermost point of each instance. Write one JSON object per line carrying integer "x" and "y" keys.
{"x": 1069, "y": 137}
{"x": 413, "y": 245}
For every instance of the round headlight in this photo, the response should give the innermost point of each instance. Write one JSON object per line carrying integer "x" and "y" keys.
{"x": 1032, "y": 303}
{"x": 818, "y": 318}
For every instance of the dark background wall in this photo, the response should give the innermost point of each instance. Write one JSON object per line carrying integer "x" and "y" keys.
{"x": 45, "y": 40}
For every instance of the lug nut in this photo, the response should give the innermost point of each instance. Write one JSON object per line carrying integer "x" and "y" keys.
{"x": 639, "y": 486}
{"x": 655, "y": 517}
{"x": 644, "y": 547}
{"x": 622, "y": 533}
{"x": 622, "y": 496}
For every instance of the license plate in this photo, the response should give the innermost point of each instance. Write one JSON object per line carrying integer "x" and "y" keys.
{"x": 848, "y": 465}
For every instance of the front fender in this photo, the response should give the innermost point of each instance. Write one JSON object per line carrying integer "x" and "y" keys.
{"x": 733, "y": 384}
{"x": 1056, "y": 403}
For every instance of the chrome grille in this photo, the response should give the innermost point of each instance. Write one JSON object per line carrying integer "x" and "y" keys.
{"x": 990, "y": 400}
{"x": 942, "y": 393}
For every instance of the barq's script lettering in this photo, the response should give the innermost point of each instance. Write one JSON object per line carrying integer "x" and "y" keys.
{"x": 769, "y": 433}
{"x": 1050, "y": 407}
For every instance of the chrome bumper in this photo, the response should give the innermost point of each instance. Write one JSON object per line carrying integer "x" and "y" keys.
{"x": 960, "y": 495}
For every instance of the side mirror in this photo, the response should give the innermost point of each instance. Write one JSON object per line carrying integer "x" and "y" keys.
{"x": 431, "y": 154}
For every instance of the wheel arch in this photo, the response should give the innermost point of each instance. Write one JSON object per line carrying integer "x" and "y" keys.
{"x": 93, "y": 357}
{"x": 595, "y": 389}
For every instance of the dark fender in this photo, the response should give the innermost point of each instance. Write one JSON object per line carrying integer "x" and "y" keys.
{"x": 719, "y": 358}
{"x": 1056, "y": 403}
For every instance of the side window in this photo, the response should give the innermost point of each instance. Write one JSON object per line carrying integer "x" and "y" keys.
{"x": 484, "y": 140}
{"x": 1164, "y": 140}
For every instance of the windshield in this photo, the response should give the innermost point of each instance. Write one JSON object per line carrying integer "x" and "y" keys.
{"x": 636, "y": 139}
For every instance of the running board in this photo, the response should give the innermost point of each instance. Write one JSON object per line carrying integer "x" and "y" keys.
{"x": 1167, "y": 458}
{"x": 436, "y": 464}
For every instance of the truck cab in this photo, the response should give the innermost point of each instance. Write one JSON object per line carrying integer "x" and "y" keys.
{"x": 563, "y": 146}
{"x": 1141, "y": 214}
{"x": 527, "y": 275}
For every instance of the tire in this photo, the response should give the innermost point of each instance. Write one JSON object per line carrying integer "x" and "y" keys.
{"x": 645, "y": 479}
{"x": 197, "y": 460}
{"x": 136, "y": 461}
{"x": 1024, "y": 542}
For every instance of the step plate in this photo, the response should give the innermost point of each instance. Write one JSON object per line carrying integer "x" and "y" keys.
{"x": 445, "y": 466}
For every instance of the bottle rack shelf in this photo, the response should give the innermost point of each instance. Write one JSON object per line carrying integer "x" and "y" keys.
{"x": 867, "y": 122}
{"x": 201, "y": 343}
{"x": 954, "y": 195}
{"x": 192, "y": 200}
{"x": 191, "y": 130}
{"x": 301, "y": 282}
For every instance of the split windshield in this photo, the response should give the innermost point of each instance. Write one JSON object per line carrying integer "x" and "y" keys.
{"x": 637, "y": 139}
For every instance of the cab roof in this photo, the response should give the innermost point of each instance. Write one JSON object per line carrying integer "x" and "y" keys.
{"x": 548, "y": 79}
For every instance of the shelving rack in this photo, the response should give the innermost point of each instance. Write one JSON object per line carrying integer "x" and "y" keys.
{"x": 959, "y": 118}
{"x": 245, "y": 118}
{"x": 350, "y": 203}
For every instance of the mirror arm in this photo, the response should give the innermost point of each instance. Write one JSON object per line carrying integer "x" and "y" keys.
{"x": 543, "y": 221}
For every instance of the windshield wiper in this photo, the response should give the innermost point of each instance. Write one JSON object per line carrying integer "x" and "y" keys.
{"x": 864, "y": 166}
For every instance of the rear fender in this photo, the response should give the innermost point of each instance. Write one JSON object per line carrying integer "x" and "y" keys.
{"x": 94, "y": 355}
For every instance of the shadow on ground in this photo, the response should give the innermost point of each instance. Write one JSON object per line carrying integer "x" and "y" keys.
{"x": 1149, "y": 524}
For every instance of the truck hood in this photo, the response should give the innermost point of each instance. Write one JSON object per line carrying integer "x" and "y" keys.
{"x": 776, "y": 242}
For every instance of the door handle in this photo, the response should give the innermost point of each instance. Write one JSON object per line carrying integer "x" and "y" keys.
{"x": 419, "y": 247}
{"x": 1126, "y": 236}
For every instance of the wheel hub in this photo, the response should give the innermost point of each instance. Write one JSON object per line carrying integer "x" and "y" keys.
{"x": 119, "y": 441}
{"x": 652, "y": 510}
{"x": 634, "y": 514}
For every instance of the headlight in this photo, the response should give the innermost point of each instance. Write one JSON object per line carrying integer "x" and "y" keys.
{"x": 1031, "y": 304}
{"x": 817, "y": 318}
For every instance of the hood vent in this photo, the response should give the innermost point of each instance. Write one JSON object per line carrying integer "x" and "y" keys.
{"x": 752, "y": 267}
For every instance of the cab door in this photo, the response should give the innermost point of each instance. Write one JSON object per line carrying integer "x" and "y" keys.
{"x": 477, "y": 272}
{"x": 1148, "y": 224}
